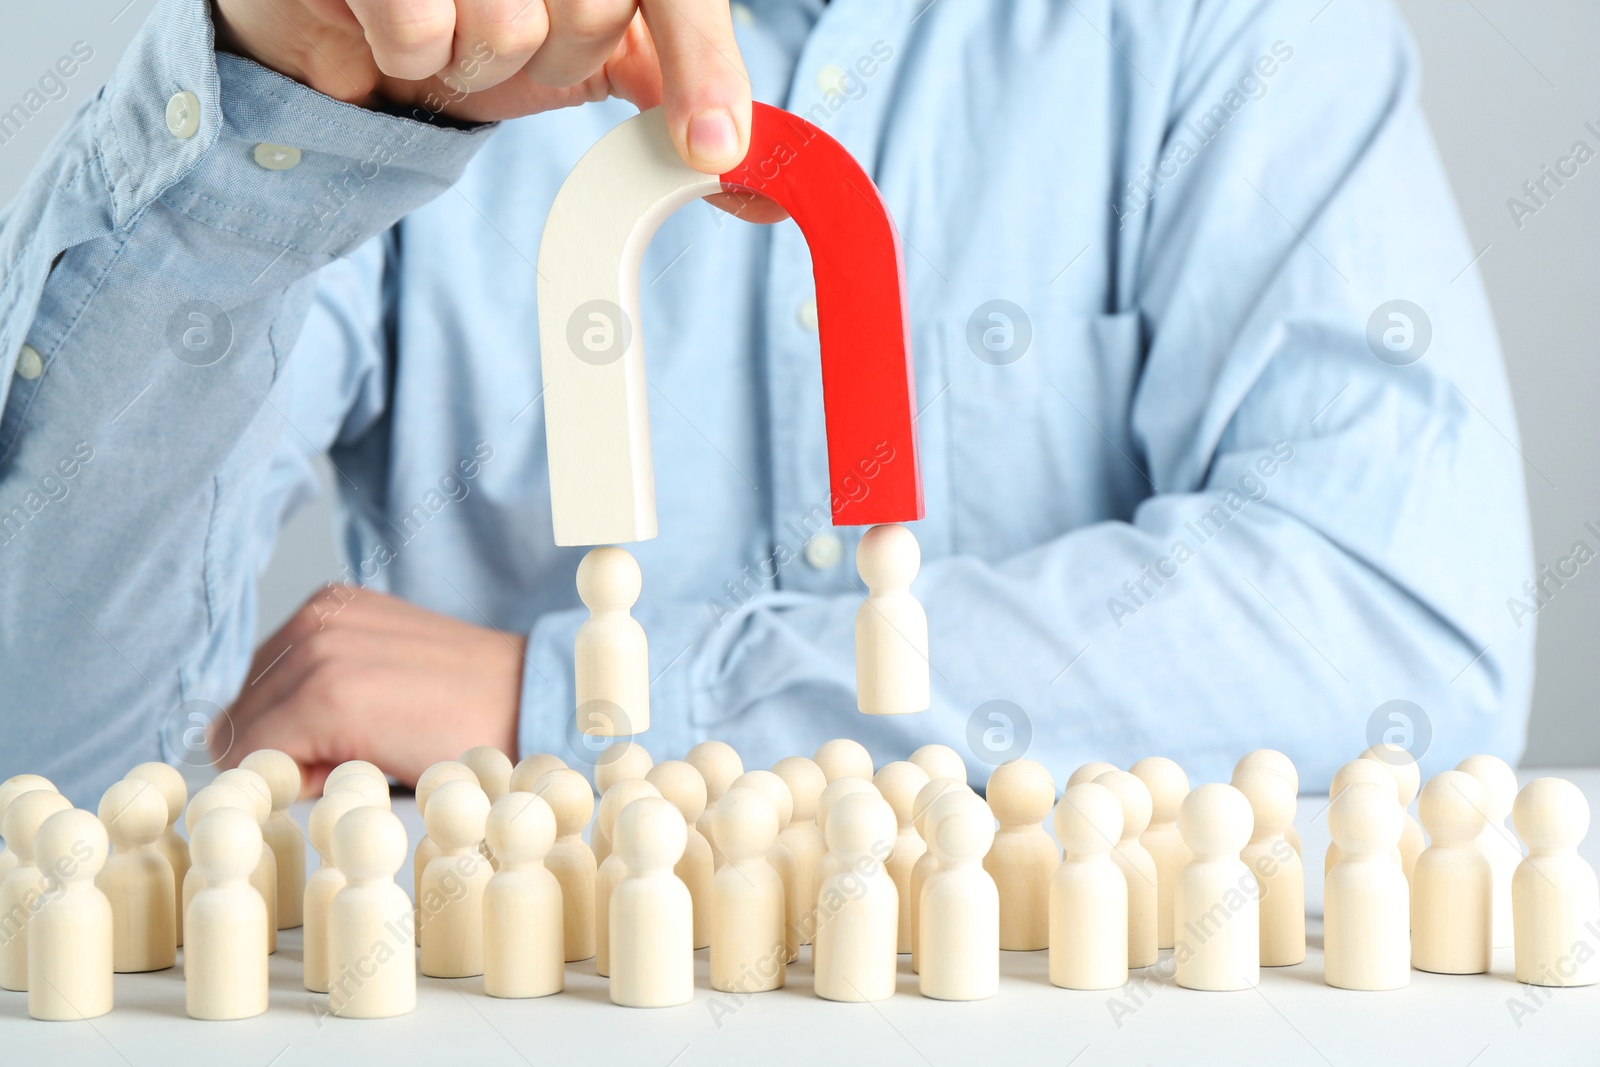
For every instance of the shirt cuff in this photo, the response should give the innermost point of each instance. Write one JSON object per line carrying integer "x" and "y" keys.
{"x": 358, "y": 171}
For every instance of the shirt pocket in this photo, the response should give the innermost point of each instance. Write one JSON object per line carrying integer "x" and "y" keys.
{"x": 1037, "y": 423}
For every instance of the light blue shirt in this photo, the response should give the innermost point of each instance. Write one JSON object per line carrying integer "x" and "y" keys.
{"x": 1195, "y": 486}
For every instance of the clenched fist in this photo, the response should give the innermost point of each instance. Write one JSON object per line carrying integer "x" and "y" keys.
{"x": 479, "y": 60}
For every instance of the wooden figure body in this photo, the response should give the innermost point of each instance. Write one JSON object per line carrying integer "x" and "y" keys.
{"x": 137, "y": 879}
{"x": 1089, "y": 893}
{"x": 323, "y": 885}
{"x": 618, "y": 763}
{"x": 611, "y": 656}
{"x": 1022, "y": 859}
{"x": 1366, "y": 901}
{"x": 783, "y": 861}
{"x": 680, "y": 783}
{"x": 719, "y": 765}
{"x": 652, "y": 918}
{"x": 939, "y": 761}
{"x": 453, "y": 882}
{"x": 803, "y": 840}
{"x": 1268, "y": 759}
{"x": 1407, "y": 781}
{"x": 283, "y": 837}
{"x": 204, "y": 802}
{"x": 1168, "y": 785}
{"x": 428, "y": 784}
{"x": 1280, "y": 873}
{"x": 891, "y": 626}
{"x": 899, "y": 783}
{"x": 526, "y": 774}
{"x": 1089, "y": 772}
{"x": 610, "y": 871}
{"x": 1373, "y": 773}
{"x": 1499, "y": 846}
{"x": 843, "y": 758}
{"x": 1452, "y": 887}
{"x": 265, "y": 875}
{"x": 829, "y": 864}
{"x": 570, "y": 858}
{"x": 171, "y": 843}
{"x": 523, "y": 955}
{"x": 10, "y": 789}
{"x": 1554, "y": 896}
{"x": 491, "y": 767}
{"x": 1138, "y": 866}
{"x": 748, "y": 945}
{"x": 1216, "y": 916}
{"x": 960, "y": 950}
{"x": 70, "y": 936}
{"x": 24, "y": 883}
{"x": 854, "y": 947}
{"x": 928, "y": 862}
{"x": 225, "y": 932}
{"x": 372, "y": 969}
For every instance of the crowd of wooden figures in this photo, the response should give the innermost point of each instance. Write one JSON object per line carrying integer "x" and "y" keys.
{"x": 862, "y": 866}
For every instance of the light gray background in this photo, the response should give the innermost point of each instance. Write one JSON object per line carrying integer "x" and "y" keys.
{"x": 1508, "y": 87}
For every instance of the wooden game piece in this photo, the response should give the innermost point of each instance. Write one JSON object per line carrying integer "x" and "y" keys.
{"x": 803, "y": 839}
{"x": 323, "y": 885}
{"x": 652, "y": 917}
{"x": 24, "y": 883}
{"x": 526, "y": 774}
{"x": 427, "y": 784}
{"x": 492, "y": 769}
{"x": 1366, "y": 902}
{"x": 11, "y": 788}
{"x": 359, "y": 767}
{"x": 1407, "y": 781}
{"x": 1270, "y": 759}
{"x": 451, "y": 904}
{"x": 782, "y": 859}
{"x": 1496, "y": 841}
{"x": 226, "y": 924}
{"x": 940, "y": 761}
{"x": 372, "y": 791}
{"x": 828, "y": 865}
{"x": 611, "y": 657}
{"x": 1136, "y": 863}
{"x": 899, "y": 783}
{"x": 928, "y": 861}
{"x": 1280, "y": 873}
{"x": 70, "y": 935}
{"x": 843, "y": 758}
{"x": 1168, "y": 786}
{"x": 610, "y": 871}
{"x": 680, "y": 783}
{"x": 203, "y": 803}
{"x": 748, "y": 940}
{"x": 1555, "y": 898}
{"x": 891, "y": 625}
{"x": 283, "y": 837}
{"x": 959, "y": 903}
{"x": 1022, "y": 859}
{"x": 1088, "y": 893}
{"x": 265, "y": 876}
{"x": 1359, "y": 770}
{"x": 854, "y": 947}
{"x": 1452, "y": 887}
{"x": 570, "y": 858}
{"x": 1089, "y": 772}
{"x": 373, "y": 974}
{"x": 171, "y": 843}
{"x": 1217, "y": 931}
{"x": 621, "y": 761}
{"x": 719, "y": 765}
{"x": 523, "y": 954}
{"x": 137, "y": 879}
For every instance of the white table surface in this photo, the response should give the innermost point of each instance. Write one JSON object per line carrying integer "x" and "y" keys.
{"x": 1291, "y": 1018}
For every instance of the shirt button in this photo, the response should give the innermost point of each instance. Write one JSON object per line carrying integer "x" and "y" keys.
{"x": 183, "y": 114}
{"x": 823, "y": 551}
{"x": 806, "y": 313}
{"x": 29, "y": 363}
{"x": 277, "y": 156}
{"x": 830, "y": 79}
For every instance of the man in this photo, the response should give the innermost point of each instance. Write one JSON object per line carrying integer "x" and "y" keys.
{"x": 1216, "y": 441}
